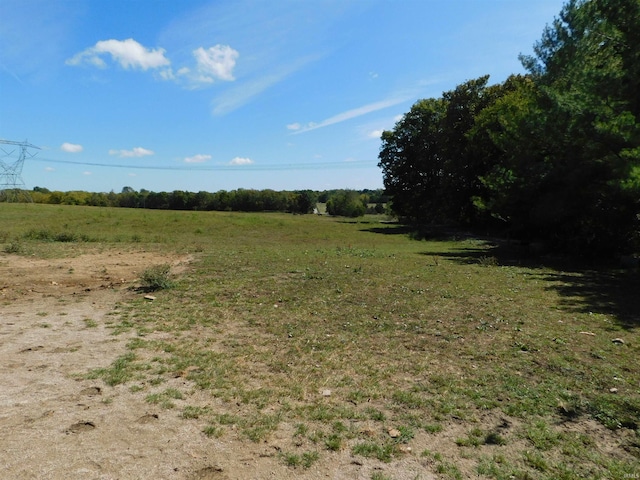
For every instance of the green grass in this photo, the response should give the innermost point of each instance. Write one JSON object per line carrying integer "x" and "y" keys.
{"x": 423, "y": 335}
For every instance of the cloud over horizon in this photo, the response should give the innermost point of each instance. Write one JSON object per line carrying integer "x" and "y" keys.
{"x": 133, "y": 153}
{"x": 71, "y": 147}
{"x": 241, "y": 161}
{"x": 198, "y": 158}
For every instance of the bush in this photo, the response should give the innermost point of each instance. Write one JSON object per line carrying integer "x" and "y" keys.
{"x": 13, "y": 247}
{"x": 157, "y": 278}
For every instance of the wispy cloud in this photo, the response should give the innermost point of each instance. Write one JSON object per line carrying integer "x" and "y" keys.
{"x": 238, "y": 96}
{"x": 274, "y": 41}
{"x": 375, "y": 134}
{"x": 38, "y": 55}
{"x": 199, "y": 158}
{"x": 135, "y": 152}
{"x": 71, "y": 147}
{"x": 353, "y": 113}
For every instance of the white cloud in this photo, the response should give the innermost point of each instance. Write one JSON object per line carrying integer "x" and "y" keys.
{"x": 375, "y": 134}
{"x": 71, "y": 147}
{"x": 135, "y": 152}
{"x": 128, "y": 53}
{"x": 294, "y": 126}
{"x": 86, "y": 173}
{"x": 132, "y": 174}
{"x": 216, "y": 62}
{"x": 241, "y": 161}
{"x": 199, "y": 158}
{"x": 49, "y": 169}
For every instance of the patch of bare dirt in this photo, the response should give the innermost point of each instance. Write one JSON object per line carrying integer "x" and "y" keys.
{"x": 56, "y": 424}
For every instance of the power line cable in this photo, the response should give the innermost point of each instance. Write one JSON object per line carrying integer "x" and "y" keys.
{"x": 251, "y": 167}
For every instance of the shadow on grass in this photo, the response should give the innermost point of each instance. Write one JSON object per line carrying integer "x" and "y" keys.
{"x": 610, "y": 292}
{"x": 584, "y": 286}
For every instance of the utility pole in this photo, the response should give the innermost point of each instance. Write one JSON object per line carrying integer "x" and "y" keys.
{"x": 11, "y": 182}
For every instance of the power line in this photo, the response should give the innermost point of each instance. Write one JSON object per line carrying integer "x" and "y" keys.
{"x": 250, "y": 167}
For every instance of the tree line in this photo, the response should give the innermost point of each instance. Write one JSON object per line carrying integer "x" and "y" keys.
{"x": 343, "y": 202}
{"x": 550, "y": 156}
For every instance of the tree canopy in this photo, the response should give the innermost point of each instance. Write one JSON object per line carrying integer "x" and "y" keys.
{"x": 551, "y": 156}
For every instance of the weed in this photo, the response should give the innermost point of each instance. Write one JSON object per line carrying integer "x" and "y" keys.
{"x": 305, "y": 460}
{"x": 309, "y": 458}
{"x": 384, "y": 452}
{"x": 379, "y": 476}
{"x": 120, "y": 371}
{"x": 90, "y": 323}
{"x": 494, "y": 438}
{"x": 488, "y": 261}
{"x": 475, "y": 438}
{"x": 541, "y": 436}
{"x": 449, "y": 469}
{"x": 433, "y": 428}
{"x": 157, "y": 278}
{"x": 406, "y": 434}
{"x": 301, "y": 430}
{"x": 192, "y": 412}
{"x": 14, "y": 247}
{"x": 333, "y": 442}
{"x": 213, "y": 431}
{"x": 535, "y": 460}
{"x": 291, "y": 459}
{"x": 375, "y": 414}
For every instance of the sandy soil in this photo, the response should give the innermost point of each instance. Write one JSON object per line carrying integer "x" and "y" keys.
{"x": 56, "y": 424}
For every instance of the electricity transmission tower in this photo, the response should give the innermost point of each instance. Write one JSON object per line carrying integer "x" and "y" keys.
{"x": 11, "y": 182}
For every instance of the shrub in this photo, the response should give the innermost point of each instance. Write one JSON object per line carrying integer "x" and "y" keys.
{"x": 157, "y": 278}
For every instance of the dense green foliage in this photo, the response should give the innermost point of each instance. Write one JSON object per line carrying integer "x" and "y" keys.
{"x": 347, "y": 203}
{"x": 552, "y": 156}
{"x": 343, "y": 202}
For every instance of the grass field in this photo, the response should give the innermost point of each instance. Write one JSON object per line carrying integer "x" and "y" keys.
{"x": 359, "y": 338}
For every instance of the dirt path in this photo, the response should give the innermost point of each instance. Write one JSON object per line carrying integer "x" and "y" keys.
{"x": 56, "y": 424}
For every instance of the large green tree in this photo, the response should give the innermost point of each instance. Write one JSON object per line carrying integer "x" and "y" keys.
{"x": 554, "y": 155}
{"x": 569, "y": 173}
{"x": 430, "y": 167}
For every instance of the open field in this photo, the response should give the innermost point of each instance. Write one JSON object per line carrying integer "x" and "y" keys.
{"x": 306, "y": 347}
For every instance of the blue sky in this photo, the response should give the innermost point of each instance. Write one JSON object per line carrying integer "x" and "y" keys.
{"x": 224, "y": 94}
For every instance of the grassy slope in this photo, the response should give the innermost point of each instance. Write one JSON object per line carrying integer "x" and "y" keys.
{"x": 414, "y": 335}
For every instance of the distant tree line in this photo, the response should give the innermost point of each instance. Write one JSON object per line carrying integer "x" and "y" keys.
{"x": 349, "y": 203}
{"x": 552, "y": 156}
